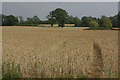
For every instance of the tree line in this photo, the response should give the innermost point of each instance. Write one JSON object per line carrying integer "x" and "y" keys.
{"x": 60, "y": 16}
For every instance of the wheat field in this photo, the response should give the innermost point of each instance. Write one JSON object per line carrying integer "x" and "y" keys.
{"x": 61, "y": 52}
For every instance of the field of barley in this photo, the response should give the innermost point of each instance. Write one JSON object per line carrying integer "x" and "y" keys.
{"x": 60, "y": 52}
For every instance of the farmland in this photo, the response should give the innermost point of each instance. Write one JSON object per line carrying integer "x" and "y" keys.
{"x": 61, "y": 52}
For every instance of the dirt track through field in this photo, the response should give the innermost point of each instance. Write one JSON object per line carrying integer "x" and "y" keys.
{"x": 97, "y": 63}
{"x": 97, "y": 60}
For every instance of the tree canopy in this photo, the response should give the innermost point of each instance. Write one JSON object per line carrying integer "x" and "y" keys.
{"x": 58, "y": 15}
{"x": 9, "y": 20}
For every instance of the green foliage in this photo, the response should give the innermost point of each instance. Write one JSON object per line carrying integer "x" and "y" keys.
{"x": 77, "y": 21}
{"x": 10, "y": 71}
{"x": 51, "y": 19}
{"x": 36, "y": 20}
{"x": 74, "y": 20}
{"x": 119, "y": 19}
{"x": 86, "y": 20}
{"x": 9, "y": 20}
{"x": 0, "y": 19}
{"x": 58, "y": 15}
{"x": 83, "y": 76}
{"x": 20, "y": 19}
{"x": 29, "y": 20}
{"x": 105, "y": 22}
{"x": 93, "y": 24}
{"x": 114, "y": 21}
{"x": 70, "y": 20}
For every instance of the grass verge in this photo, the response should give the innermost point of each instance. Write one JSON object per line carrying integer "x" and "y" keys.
{"x": 10, "y": 71}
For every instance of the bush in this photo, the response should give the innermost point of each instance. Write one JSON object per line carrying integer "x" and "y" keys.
{"x": 93, "y": 24}
{"x": 106, "y": 23}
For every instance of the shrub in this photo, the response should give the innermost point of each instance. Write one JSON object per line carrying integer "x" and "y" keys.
{"x": 106, "y": 23}
{"x": 93, "y": 24}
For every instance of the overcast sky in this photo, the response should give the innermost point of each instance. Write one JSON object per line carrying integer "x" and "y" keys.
{"x": 59, "y": 0}
{"x": 0, "y": 7}
{"x": 41, "y": 9}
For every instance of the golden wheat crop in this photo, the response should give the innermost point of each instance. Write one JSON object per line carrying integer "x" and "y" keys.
{"x": 61, "y": 52}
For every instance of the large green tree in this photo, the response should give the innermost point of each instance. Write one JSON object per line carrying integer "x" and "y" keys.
{"x": 59, "y": 15}
{"x": 51, "y": 19}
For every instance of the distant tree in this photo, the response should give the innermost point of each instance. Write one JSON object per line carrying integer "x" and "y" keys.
{"x": 12, "y": 20}
{"x": 74, "y": 20}
{"x": 70, "y": 20}
{"x": 59, "y": 15}
{"x": 85, "y": 20}
{"x": 36, "y": 20}
{"x": 51, "y": 19}
{"x": 114, "y": 21}
{"x": 29, "y": 21}
{"x": 4, "y": 20}
{"x": 0, "y": 19}
{"x": 93, "y": 24}
{"x": 77, "y": 21}
{"x": 119, "y": 19}
{"x": 105, "y": 22}
{"x": 9, "y": 20}
{"x": 20, "y": 19}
